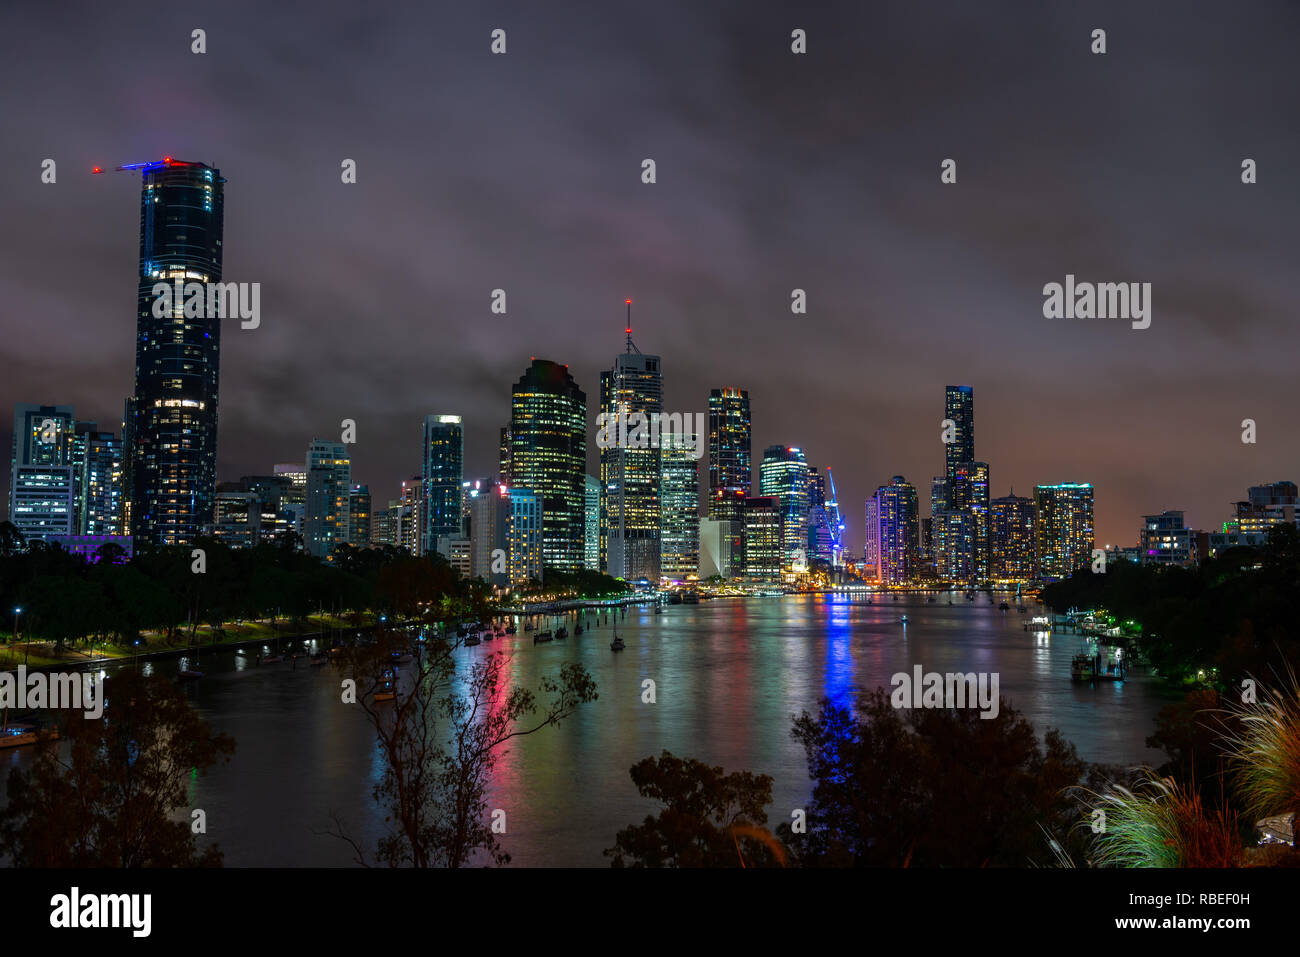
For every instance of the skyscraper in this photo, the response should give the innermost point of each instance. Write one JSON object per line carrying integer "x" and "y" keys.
{"x": 99, "y": 485}
{"x": 763, "y": 545}
{"x": 679, "y": 497}
{"x": 42, "y": 478}
{"x": 591, "y": 525}
{"x": 172, "y": 461}
{"x": 329, "y": 494}
{"x": 359, "y": 516}
{"x": 1064, "y": 528}
{"x": 871, "y": 548}
{"x": 960, "y": 547}
{"x": 444, "y": 466}
{"x": 784, "y": 475}
{"x": 1011, "y": 541}
{"x": 959, "y": 407}
{"x": 490, "y": 538}
{"x": 899, "y": 531}
{"x": 526, "y": 528}
{"x": 629, "y": 473}
{"x": 729, "y": 448}
{"x": 969, "y": 488}
{"x": 548, "y": 455}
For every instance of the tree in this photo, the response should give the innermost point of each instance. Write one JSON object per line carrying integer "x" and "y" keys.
{"x": 440, "y": 746}
{"x": 931, "y": 787}
{"x": 111, "y": 803}
{"x": 710, "y": 818}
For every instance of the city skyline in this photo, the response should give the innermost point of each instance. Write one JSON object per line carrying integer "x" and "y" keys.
{"x": 866, "y": 235}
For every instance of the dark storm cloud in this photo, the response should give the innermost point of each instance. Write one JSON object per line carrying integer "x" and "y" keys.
{"x": 774, "y": 172}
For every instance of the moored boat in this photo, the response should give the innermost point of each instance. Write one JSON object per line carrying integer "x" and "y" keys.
{"x": 18, "y": 735}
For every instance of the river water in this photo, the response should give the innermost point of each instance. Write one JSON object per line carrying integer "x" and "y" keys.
{"x": 728, "y": 676}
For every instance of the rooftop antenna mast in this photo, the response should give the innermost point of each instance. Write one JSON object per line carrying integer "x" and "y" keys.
{"x": 631, "y": 347}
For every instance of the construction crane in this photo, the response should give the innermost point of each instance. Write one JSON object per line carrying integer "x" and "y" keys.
{"x": 132, "y": 167}
{"x": 836, "y": 522}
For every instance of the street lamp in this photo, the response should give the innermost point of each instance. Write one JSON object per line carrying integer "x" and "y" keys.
{"x": 18, "y": 611}
{"x": 14, "y": 637}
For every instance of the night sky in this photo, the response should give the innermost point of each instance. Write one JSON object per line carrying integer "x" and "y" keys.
{"x": 775, "y": 171}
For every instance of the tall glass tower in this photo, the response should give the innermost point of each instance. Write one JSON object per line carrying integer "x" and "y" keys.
{"x": 629, "y": 470}
{"x": 548, "y": 455}
{"x": 784, "y": 476}
{"x": 729, "y": 448}
{"x": 172, "y": 460}
{"x": 899, "y": 531}
{"x": 444, "y": 468}
{"x": 959, "y": 406}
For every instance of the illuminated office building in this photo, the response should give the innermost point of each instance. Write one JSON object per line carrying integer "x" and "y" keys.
{"x": 329, "y": 494}
{"x": 629, "y": 470}
{"x": 1012, "y": 538}
{"x": 591, "y": 525}
{"x": 679, "y": 508}
{"x": 899, "y": 531}
{"x": 729, "y": 447}
{"x": 171, "y": 461}
{"x": 443, "y": 462}
{"x": 43, "y": 473}
{"x": 526, "y": 539}
{"x": 548, "y": 455}
{"x": 784, "y": 476}
{"x": 1064, "y": 530}
{"x": 359, "y": 516}
{"x": 764, "y": 552}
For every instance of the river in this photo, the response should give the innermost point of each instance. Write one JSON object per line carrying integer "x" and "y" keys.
{"x": 728, "y": 675}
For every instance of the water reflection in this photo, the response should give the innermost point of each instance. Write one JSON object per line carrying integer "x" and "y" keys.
{"x": 728, "y": 677}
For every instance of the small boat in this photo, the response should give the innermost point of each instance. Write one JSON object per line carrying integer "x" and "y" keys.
{"x": 617, "y": 643}
{"x": 561, "y": 632}
{"x": 387, "y": 689}
{"x": 17, "y": 735}
{"x": 1082, "y": 668}
{"x": 473, "y": 640}
{"x": 903, "y": 620}
{"x": 542, "y": 636}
